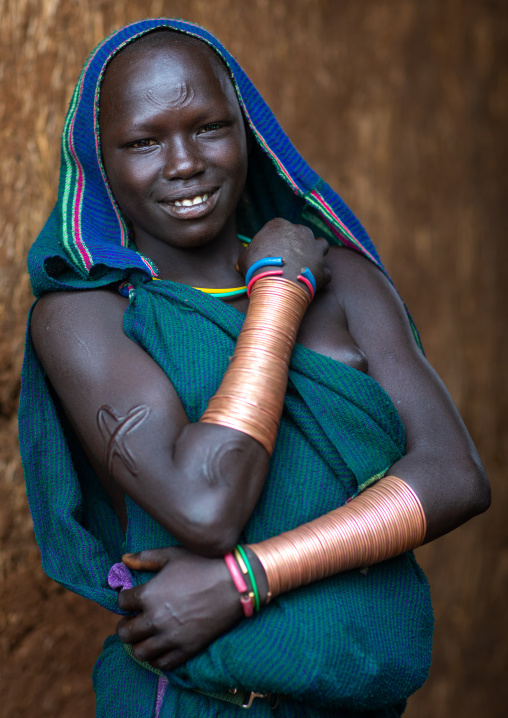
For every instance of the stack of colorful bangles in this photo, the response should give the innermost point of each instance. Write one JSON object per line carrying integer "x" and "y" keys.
{"x": 306, "y": 275}
{"x": 239, "y": 567}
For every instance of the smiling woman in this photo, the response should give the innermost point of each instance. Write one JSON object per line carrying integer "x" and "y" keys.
{"x": 237, "y": 446}
{"x": 179, "y": 151}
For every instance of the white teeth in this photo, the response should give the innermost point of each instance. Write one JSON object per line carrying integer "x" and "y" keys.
{"x": 190, "y": 202}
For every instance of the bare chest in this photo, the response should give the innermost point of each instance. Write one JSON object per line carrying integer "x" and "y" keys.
{"x": 324, "y": 330}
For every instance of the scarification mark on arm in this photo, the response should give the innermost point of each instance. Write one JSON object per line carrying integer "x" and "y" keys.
{"x": 115, "y": 430}
{"x": 219, "y": 462}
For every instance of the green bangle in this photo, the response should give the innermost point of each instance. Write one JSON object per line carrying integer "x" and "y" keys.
{"x": 251, "y": 576}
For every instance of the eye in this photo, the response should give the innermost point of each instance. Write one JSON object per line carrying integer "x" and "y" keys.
{"x": 141, "y": 144}
{"x": 212, "y": 127}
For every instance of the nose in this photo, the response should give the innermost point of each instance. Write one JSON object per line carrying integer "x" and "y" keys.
{"x": 183, "y": 159}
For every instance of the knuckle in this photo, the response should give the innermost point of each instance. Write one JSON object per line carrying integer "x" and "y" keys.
{"x": 139, "y": 653}
{"x": 163, "y": 663}
{"x": 124, "y": 634}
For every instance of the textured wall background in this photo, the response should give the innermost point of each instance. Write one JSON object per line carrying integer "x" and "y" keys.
{"x": 402, "y": 106}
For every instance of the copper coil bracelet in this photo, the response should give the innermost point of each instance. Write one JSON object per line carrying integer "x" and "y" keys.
{"x": 250, "y": 397}
{"x": 383, "y": 521}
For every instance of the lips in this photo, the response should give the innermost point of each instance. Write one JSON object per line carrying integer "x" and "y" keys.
{"x": 192, "y": 205}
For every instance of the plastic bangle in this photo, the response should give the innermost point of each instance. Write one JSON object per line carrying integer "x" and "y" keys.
{"x": 237, "y": 577}
{"x": 246, "y": 601}
{"x": 308, "y": 279}
{"x": 273, "y": 273}
{"x": 240, "y": 585}
{"x": 265, "y": 262}
{"x": 240, "y": 561}
{"x": 251, "y": 576}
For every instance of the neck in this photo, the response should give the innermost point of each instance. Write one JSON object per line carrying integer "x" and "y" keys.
{"x": 209, "y": 265}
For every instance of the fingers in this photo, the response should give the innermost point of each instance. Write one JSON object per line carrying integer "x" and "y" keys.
{"x": 134, "y": 630}
{"x": 153, "y": 649}
{"x": 159, "y": 649}
{"x": 170, "y": 660}
{"x": 324, "y": 244}
{"x": 150, "y": 559}
{"x": 130, "y": 599}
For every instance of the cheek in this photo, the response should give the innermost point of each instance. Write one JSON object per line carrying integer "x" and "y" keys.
{"x": 130, "y": 188}
{"x": 234, "y": 160}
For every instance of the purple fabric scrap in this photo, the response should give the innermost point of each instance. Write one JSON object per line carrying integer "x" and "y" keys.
{"x": 119, "y": 577}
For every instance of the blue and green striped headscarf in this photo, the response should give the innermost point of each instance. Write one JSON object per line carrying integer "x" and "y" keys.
{"x": 85, "y": 242}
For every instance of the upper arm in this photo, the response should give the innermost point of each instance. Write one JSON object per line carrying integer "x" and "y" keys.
{"x": 133, "y": 426}
{"x": 91, "y": 364}
{"x": 441, "y": 462}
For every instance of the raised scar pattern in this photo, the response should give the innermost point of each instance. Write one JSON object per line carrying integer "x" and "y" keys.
{"x": 114, "y": 429}
{"x": 179, "y": 95}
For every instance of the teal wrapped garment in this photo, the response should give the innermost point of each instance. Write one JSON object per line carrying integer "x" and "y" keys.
{"x": 355, "y": 645}
{"x": 355, "y": 641}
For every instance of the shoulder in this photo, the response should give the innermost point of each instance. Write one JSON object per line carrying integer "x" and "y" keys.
{"x": 55, "y": 311}
{"x": 77, "y": 304}
{"x": 63, "y": 322}
{"x": 355, "y": 275}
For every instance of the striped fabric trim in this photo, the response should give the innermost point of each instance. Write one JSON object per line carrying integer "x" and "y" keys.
{"x": 74, "y": 180}
{"x": 335, "y": 223}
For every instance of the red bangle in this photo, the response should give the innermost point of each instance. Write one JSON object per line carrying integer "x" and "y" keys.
{"x": 272, "y": 273}
{"x": 240, "y": 585}
{"x": 307, "y": 284}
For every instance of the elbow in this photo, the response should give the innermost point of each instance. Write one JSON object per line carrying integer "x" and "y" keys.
{"x": 481, "y": 493}
{"x": 473, "y": 490}
{"x": 207, "y": 531}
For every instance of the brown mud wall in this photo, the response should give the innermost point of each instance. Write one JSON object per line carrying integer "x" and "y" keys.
{"x": 402, "y": 106}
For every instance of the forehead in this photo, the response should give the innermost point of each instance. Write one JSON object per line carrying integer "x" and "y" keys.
{"x": 147, "y": 70}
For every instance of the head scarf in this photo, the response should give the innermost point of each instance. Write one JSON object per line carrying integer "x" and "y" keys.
{"x": 85, "y": 241}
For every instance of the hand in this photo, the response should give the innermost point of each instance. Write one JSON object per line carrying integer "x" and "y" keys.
{"x": 295, "y": 244}
{"x": 188, "y": 604}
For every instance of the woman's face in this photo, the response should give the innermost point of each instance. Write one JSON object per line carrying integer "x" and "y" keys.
{"x": 173, "y": 144}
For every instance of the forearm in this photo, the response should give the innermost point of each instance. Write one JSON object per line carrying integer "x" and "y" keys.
{"x": 450, "y": 483}
{"x": 219, "y": 463}
{"x": 381, "y": 522}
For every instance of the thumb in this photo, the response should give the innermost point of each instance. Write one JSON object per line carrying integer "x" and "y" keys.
{"x": 149, "y": 560}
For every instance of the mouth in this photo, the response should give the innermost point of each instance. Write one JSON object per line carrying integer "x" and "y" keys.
{"x": 191, "y": 201}
{"x": 192, "y": 206}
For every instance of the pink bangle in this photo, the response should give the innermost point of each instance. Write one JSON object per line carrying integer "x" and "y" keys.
{"x": 307, "y": 284}
{"x": 240, "y": 585}
{"x": 272, "y": 273}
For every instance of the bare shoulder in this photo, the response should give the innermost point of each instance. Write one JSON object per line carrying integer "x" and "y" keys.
{"x": 351, "y": 271}
{"x": 55, "y": 310}
{"x": 358, "y": 283}
{"x": 55, "y": 314}
{"x": 66, "y": 326}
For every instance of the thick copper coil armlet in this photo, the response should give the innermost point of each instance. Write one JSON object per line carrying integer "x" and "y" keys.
{"x": 251, "y": 395}
{"x": 383, "y": 521}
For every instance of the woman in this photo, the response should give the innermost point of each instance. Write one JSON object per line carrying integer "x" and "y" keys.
{"x": 139, "y": 432}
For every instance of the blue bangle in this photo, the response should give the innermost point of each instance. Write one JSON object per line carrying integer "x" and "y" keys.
{"x": 308, "y": 275}
{"x": 266, "y": 262}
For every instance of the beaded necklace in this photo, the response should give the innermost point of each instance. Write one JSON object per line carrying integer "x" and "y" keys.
{"x": 230, "y": 292}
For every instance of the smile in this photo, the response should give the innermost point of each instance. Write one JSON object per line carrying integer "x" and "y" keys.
{"x": 191, "y": 207}
{"x": 191, "y": 201}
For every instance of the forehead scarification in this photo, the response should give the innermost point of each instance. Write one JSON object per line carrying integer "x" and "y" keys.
{"x": 166, "y": 39}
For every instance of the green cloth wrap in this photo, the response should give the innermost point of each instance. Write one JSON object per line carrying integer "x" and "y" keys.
{"x": 357, "y": 641}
